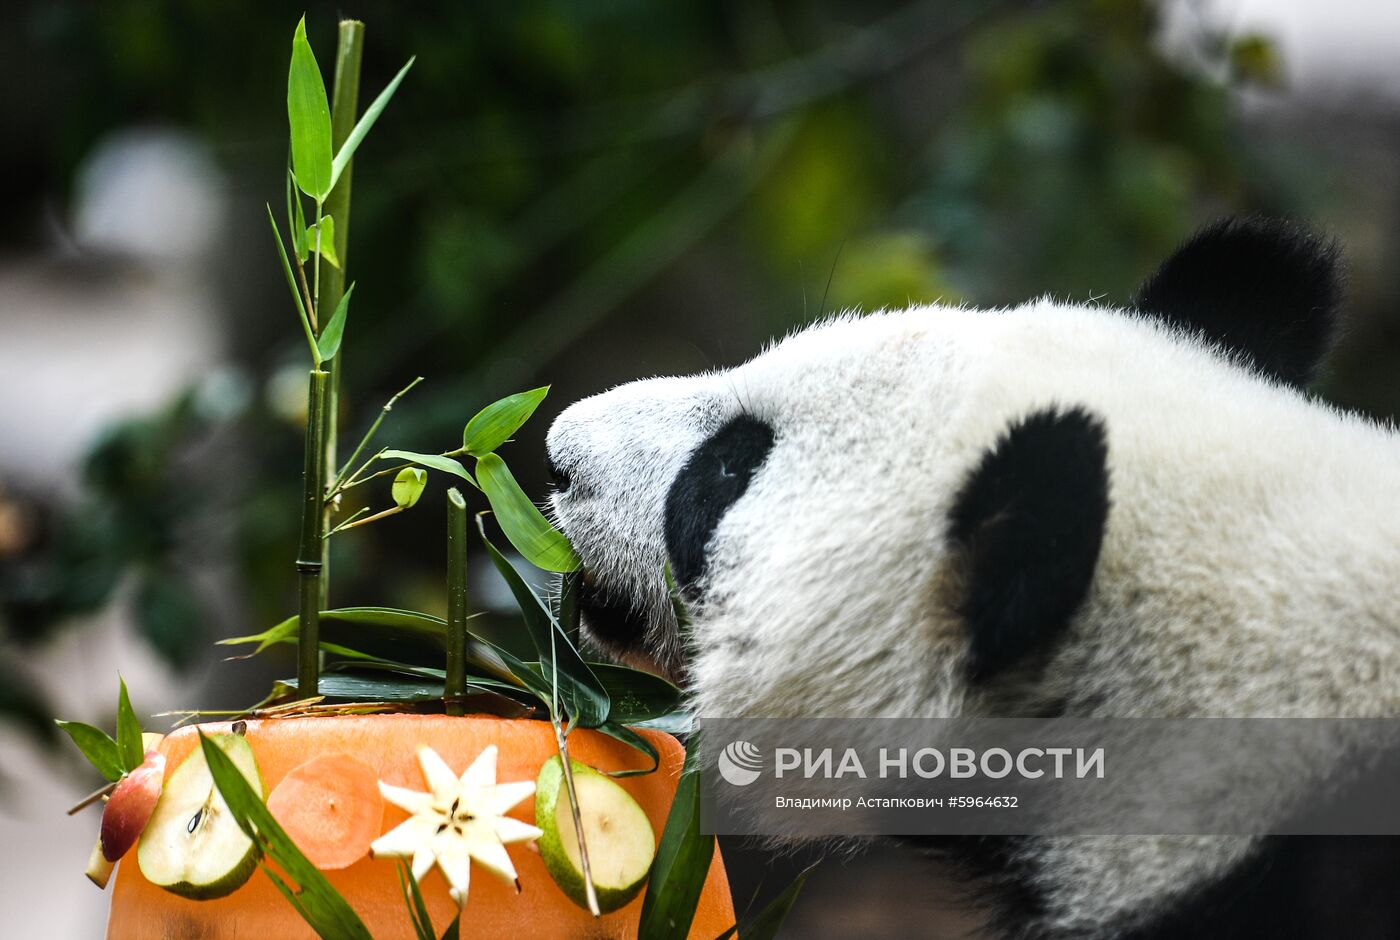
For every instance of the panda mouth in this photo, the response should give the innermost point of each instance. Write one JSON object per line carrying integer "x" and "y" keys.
{"x": 619, "y": 623}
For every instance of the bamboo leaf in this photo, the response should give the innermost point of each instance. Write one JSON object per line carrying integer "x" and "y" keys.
{"x": 626, "y": 735}
{"x": 679, "y": 723}
{"x": 320, "y": 239}
{"x": 408, "y": 487}
{"x": 296, "y": 217}
{"x": 130, "y": 750}
{"x": 374, "y": 688}
{"x": 413, "y": 898}
{"x": 431, "y": 679}
{"x": 329, "y": 914}
{"x": 296, "y": 293}
{"x": 431, "y": 461}
{"x": 334, "y": 331}
{"x": 309, "y": 115}
{"x": 528, "y": 530}
{"x": 635, "y": 695}
{"x": 357, "y": 134}
{"x": 581, "y": 694}
{"x": 681, "y": 864}
{"x": 490, "y": 659}
{"x": 97, "y": 746}
{"x": 766, "y": 924}
{"x": 409, "y": 621}
{"x": 493, "y": 425}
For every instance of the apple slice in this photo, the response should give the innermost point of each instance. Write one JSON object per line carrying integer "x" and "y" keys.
{"x": 130, "y": 806}
{"x": 192, "y": 845}
{"x": 621, "y": 843}
{"x": 99, "y": 870}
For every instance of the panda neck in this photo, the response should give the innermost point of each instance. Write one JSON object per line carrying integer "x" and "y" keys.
{"x": 1264, "y": 578}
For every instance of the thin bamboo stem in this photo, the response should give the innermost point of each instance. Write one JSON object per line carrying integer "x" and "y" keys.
{"x": 345, "y": 105}
{"x": 369, "y": 435}
{"x": 454, "y": 688}
{"x": 309, "y": 567}
{"x": 561, "y": 739}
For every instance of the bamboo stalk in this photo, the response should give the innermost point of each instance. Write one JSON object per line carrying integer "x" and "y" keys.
{"x": 561, "y": 740}
{"x": 345, "y": 103}
{"x": 313, "y": 525}
{"x": 454, "y": 688}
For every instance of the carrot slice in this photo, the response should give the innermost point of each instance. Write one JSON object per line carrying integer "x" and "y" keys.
{"x": 331, "y": 808}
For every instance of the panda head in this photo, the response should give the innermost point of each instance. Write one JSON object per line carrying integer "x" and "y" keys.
{"x": 892, "y": 513}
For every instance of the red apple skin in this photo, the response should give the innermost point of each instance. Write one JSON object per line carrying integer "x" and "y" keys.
{"x": 130, "y": 806}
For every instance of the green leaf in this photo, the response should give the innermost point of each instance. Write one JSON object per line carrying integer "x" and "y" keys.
{"x": 324, "y": 230}
{"x": 407, "y": 622}
{"x": 454, "y": 929}
{"x": 130, "y": 751}
{"x": 287, "y": 628}
{"x": 678, "y": 607}
{"x": 582, "y": 695}
{"x": 483, "y": 655}
{"x": 766, "y": 924}
{"x": 493, "y": 425}
{"x": 432, "y": 686}
{"x": 334, "y": 331}
{"x": 528, "y": 530}
{"x": 636, "y": 695}
{"x": 296, "y": 217}
{"x": 361, "y": 128}
{"x": 296, "y": 292}
{"x": 97, "y": 746}
{"x": 431, "y": 461}
{"x": 374, "y": 688}
{"x": 408, "y": 487}
{"x": 679, "y": 723}
{"x": 570, "y": 612}
{"x": 319, "y": 904}
{"x": 626, "y": 735}
{"x": 682, "y": 861}
{"x": 309, "y": 115}
{"x": 413, "y": 898}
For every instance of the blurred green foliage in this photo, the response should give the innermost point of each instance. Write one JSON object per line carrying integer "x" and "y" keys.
{"x": 580, "y": 193}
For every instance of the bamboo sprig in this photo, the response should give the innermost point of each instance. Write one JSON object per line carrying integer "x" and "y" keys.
{"x": 335, "y": 488}
{"x": 312, "y": 542}
{"x": 345, "y": 103}
{"x": 561, "y": 740}
{"x": 454, "y": 688}
{"x": 356, "y": 521}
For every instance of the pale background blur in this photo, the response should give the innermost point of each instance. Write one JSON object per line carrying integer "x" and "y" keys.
{"x": 576, "y": 194}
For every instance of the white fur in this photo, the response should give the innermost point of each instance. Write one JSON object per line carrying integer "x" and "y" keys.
{"x": 1249, "y": 565}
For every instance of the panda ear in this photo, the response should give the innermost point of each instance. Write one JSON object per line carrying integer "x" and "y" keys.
{"x": 1025, "y": 531}
{"x": 1264, "y": 288}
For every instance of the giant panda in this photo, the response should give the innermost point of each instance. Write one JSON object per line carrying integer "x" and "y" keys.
{"x": 1055, "y": 508}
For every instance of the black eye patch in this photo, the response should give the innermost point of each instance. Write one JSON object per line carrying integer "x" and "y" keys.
{"x": 711, "y": 481}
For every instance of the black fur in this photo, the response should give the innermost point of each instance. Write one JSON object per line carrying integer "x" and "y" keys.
{"x": 712, "y": 480}
{"x": 616, "y": 623}
{"x": 1266, "y": 289}
{"x": 1295, "y": 888}
{"x": 1027, "y": 526}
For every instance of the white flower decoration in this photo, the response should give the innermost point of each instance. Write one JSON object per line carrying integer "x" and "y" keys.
{"x": 462, "y": 820}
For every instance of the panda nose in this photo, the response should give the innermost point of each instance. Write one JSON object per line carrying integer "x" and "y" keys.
{"x": 557, "y": 475}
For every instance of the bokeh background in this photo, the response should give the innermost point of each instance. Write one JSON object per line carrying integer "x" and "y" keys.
{"x": 575, "y": 194}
